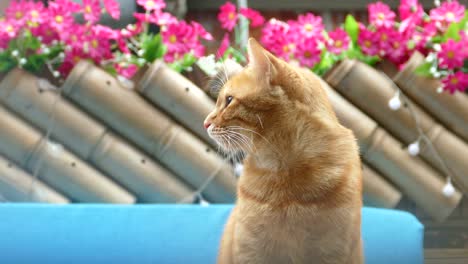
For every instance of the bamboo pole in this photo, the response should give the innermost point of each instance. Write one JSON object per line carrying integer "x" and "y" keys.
{"x": 377, "y": 190}
{"x": 129, "y": 114}
{"x": 16, "y": 185}
{"x": 178, "y": 96}
{"x": 55, "y": 165}
{"x": 371, "y": 91}
{"x": 449, "y": 109}
{"x": 415, "y": 178}
{"x": 22, "y": 92}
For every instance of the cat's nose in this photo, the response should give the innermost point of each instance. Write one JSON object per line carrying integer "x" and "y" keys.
{"x": 206, "y": 124}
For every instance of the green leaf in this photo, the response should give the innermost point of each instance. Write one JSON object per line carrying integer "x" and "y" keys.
{"x": 35, "y": 62}
{"x": 188, "y": 60}
{"x": 352, "y": 28}
{"x": 110, "y": 69}
{"x": 6, "y": 65}
{"x": 424, "y": 69}
{"x": 153, "y": 47}
{"x": 453, "y": 32}
{"x": 327, "y": 60}
{"x": 437, "y": 39}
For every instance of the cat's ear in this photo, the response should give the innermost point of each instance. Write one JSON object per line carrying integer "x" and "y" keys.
{"x": 259, "y": 59}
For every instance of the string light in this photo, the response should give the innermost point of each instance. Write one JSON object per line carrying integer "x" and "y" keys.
{"x": 238, "y": 168}
{"x": 448, "y": 189}
{"x": 414, "y": 148}
{"x": 395, "y": 102}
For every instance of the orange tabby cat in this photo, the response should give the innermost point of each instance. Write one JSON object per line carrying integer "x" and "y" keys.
{"x": 299, "y": 197}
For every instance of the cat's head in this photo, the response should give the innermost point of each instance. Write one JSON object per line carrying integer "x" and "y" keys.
{"x": 257, "y": 100}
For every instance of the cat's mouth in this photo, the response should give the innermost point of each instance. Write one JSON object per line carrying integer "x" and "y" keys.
{"x": 229, "y": 139}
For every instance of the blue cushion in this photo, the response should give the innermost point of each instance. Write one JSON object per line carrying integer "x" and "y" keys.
{"x": 79, "y": 233}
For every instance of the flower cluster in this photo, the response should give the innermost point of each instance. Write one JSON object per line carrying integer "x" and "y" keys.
{"x": 306, "y": 40}
{"x": 33, "y": 36}
{"x": 440, "y": 35}
{"x": 229, "y": 17}
{"x": 447, "y": 56}
{"x": 179, "y": 41}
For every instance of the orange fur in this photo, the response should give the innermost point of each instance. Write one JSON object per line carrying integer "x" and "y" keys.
{"x": 299, "y": 197}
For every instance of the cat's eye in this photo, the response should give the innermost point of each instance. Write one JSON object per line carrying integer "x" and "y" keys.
{"x": 228, "y": 100}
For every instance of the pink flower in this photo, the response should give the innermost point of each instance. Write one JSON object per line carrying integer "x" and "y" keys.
{"x": 112, "y": 8}
{"x": 181, "y": 38}
{"x": 309, "y": 25}
{"x": 162, "y": 18}
{"x": 17, "y": 12}
{"x": 224, "y": 46}
{"x": 105, "y": 32}
{"x": 397, "y": 49}
{"x": 123, "y": 45}
{"x": 126, "y": 70}
{"x": 278, "y": 38}
{"x": 60, "y": 15}
{"x": 411, "y": 9}
{"x": 9, "y": 29}
{"x": 131, "y": 30}
{"x": 227, "y": 16}
{"x": 152, "y": 4}
{"x": 449, "y": 54}
{"x": 74, "y": 36}
{"x": 256, "y": 19}
{"x": 46, "y": 32}
{"x": 457, "y": 81}
{"x": 145, "y": 18}
{"x": 421, "y": 37}
{"x": 97, "y": 44}
{"x": 446, "y": 13}
{"x": 308, "y": 53}
{"x": 368, "y": 42}
{"x": 36, "y": 14}
{"x": 72, "y": 57}
{"x": 464, "y": 41}
{"x": 91, "y": 10}
{"x": 392, "y": 44}
{"x": 200, "y": 31}
{"x": 381, "y": 15}
{"x": 338, "y": 42}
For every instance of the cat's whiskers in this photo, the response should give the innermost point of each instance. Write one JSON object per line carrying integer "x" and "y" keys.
{"x": 244, "y": 142}
{"x": 280, "y": 154}
{"x": 234, "y": 144}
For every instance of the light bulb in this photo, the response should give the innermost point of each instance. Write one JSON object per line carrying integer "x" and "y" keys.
{"x": 203, "y": 202}
{"x": 413, "y": 148}
{"x": 394, "y": 103}
{"x": 448, "y": 189}
{"x": 238, "y": 168}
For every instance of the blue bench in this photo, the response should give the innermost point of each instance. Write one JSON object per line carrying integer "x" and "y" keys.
{"x": 114, "y": 234}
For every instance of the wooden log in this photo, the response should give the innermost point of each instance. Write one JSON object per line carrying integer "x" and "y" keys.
{"x": 450, "y": 109}
{"x": 377, "y": 191}
{"x": 371, "y": 91}
{"x": 55, "y": 165}
{"x": 16, "y": 185}
{"x": 415, "y": 178}
{"x": 178, "y": 96}
{"x": 23, "y": 93}
{"x": 129, "y": 114}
